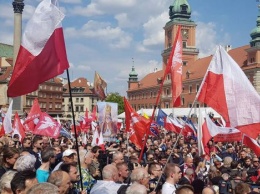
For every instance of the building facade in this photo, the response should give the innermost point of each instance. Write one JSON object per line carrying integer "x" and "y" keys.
{"x": 143, "y": 93}
{"x": 83, "y": 98}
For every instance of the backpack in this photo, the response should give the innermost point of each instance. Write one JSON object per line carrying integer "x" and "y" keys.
{"x": 225, "y": 187}
{"x": 122, "y": 189}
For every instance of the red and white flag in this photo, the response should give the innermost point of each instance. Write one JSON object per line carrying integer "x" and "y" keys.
{"x": 174, "y": 67}
{"x": 47, "y": 126}
{"x": 172, "y": 124}
{"x": 226, "y": 89}
{"x": 18, "y": 127}
{"x": 136, "y": 125}
{"x": 42, "y": 53}
{"x": 7, "y": 123}
{"x": 33, "y": 117}
{"x": 252, "y": 144}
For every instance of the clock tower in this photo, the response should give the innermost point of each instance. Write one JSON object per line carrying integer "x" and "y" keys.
{"x": 179, "y": 14}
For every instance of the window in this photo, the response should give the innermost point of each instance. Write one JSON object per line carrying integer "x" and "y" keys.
{"x": 184, "y": 63}
{"x": 190, "y": 105}
{"x": 50, "y": 105}
{"x": 190, "y": 89}
{"x": 81, "y": 99}
{"x": 77, "y": 99}
{"x": 197, "y": 87}
{"x": 81, "y": 108}
{"x": 77, "y": 109}
{"x": 166, "y": 105}
{"x": 182, "y": 101}
{"x": 184, "y": 44}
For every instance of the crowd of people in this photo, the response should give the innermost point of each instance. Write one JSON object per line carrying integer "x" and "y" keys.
{"x": 41, "y": 164}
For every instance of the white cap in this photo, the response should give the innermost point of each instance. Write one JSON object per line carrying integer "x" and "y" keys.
{"x": 68, "y": 152}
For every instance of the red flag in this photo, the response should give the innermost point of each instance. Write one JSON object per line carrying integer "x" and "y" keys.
{"x": 99, "y": 86}
{"x": 252, "y": 144}
{"x": 42, "y": 53}
{"x": 33, "y": 117}
{"x": 227, "y": 90}
{"x": 174, "y": 67}
{"x": 18, "y": 127}
{"x": 47, "y": 126}
{"x": 136, "y": 125}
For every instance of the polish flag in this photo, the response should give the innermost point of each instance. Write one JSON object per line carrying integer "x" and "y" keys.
{"x": 7, "y": 123}
{"x": 226, "y": 89}
{"x": 172, "y": 124}
{"x": 174, "y": 67}
{"x": 97, "y": 139}
{"x": 252, "y": 144}
{"x": 18, "y": 127}
{"x": 42, "y": 53}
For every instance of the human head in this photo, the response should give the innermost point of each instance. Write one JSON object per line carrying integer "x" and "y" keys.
{"x": 208, "y": 190}
{"x": 43, "y": 188}
{"x": 95, "y": 151}
{"x": 48, "y": 155}
{"x": 37, "y": 143}
{"x": 27, "y": 143}
{"x": 189, "y": 173}
{"x": 68, "y": 156}
{"x": 123, "y": 171}
{"x": 185, "y": 189}
{"x": 255, "y": 161}
{"x": 155, "y": 169}
{"x": 243, "y": 154}
{"x": 110, "y": 173}
{"x": 5, "y": 182}
{"x": 141, "y": 176}
{"x": 61, "y": 179}
{"x": 188, "y": 161}
{"x": 242, "y": 188}
{"x": 227, "y": 161}
{"x": 172, "y": 172}
{"x": 118, "y": 157}
{"x": 72, "y": 170}
{"x": 10, "y": 155}
{"x": 136, "y": 188}
{"x": 23, "y": 181}
{"x": 26, "y": 162}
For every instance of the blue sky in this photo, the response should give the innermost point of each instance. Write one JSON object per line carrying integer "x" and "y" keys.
{"x": 104, "y": 35}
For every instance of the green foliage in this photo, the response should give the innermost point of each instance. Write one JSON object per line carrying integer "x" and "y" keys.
{"x": 116, "y": 98}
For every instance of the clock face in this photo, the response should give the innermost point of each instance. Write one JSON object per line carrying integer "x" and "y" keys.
{"x": 185, "y": 34}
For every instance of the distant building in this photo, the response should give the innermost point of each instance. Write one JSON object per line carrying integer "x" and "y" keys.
{"x": 83, "y": 97}
{"x": 142, "y": 93}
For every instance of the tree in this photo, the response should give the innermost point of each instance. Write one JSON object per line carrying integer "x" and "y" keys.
{"x": 116, "y": 98}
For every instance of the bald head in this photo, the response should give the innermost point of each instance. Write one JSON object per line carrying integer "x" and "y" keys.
{"x": 208, "y": 190}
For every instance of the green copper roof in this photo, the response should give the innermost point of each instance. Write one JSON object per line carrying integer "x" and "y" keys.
{"x": 180, "y": 10}
{"x": 6, "y": 50}
{"x": 255, "y": 33}
{"x": 133, "y": 72}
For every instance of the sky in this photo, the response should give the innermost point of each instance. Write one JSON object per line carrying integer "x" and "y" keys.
{"x": 110, "y": 36}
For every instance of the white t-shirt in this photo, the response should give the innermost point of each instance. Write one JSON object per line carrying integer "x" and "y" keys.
{"x": 168, "y": 188}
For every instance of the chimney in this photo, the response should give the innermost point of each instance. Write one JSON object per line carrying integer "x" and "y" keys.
{"x": 228, "y": 47}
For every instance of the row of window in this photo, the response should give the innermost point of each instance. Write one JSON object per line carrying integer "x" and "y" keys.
{"x": 44, "y": 95}
{"x": 77, "y": 108}
{"x": 50, "y": 88}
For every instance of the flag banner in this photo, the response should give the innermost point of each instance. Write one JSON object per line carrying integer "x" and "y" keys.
{"x": 99, "y": 86}
{"x": 34, "y": 113}
{"x": 107, "y": 118}
{"x": 136, "y": 125}
{"x": 174, "y": 67}
{"x": 227, "y": 90}
{"x": 228, "y": 137}
{"x": 7, "y": 123}
{"x": 42, "y": 54}
{"x": 65, "y": 133}
{"x": 161, "y": 117}
{"x": 18, "y": 127}
{"x": 252, "y": 144}
{"x": 172, "y": 124}
{"x": 47, "y": 126}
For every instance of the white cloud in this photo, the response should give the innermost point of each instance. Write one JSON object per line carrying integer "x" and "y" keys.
{"x": 83, "y": 67}
{"x": 71, "y": 1}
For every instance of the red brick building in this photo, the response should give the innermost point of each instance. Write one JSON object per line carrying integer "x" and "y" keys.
{"x": 142, "y": 93}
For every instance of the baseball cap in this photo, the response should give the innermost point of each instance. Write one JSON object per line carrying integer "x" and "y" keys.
{"x": 68, "y": 152}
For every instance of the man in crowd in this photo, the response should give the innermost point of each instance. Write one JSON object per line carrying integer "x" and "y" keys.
{"x": 72, "y": 170}
{"x": 173, "y": 174}
{"x": 108, "y": 185}
{"x": 23, "y": 181}
{"x": 37, "y": 144}
{"x": 62, "y": 180}
{"x": 123, "y": 172}
{"x": 68, "y": 156}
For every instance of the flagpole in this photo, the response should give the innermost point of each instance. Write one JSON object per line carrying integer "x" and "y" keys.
{"x": 168, "y": 67}
{"x": 75, "y": 131}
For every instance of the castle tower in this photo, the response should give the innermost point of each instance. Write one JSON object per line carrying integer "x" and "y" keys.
{"x": 179, "y": 14}
{"x": 133, "y": 78}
